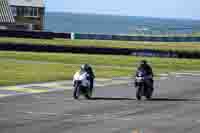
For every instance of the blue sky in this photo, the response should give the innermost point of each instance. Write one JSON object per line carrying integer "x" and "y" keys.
{"x": 153, "y": 8}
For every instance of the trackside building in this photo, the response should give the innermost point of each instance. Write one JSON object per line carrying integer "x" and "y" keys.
{"x": 28, "y": 12}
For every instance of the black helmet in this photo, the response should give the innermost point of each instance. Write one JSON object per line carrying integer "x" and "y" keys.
{"x": 143, "y": 62}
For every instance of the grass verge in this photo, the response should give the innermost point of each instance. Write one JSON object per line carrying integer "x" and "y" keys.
{"x": 26, "y": 67}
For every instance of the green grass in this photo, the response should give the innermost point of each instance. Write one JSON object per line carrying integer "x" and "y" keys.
{"x": 25, "y": 67}
{"x": 13, "y": 72}
{"x": 101, "y": 60}
{"x": 195, "y": 34}
{"x": 164, "y": 46}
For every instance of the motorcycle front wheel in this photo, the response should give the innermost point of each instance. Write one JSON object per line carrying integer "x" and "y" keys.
{"x": 139, "y": 93}
{"x": 76, "y": 93}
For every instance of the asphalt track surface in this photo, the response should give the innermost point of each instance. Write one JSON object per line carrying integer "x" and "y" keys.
{"x": 175, "y": 108}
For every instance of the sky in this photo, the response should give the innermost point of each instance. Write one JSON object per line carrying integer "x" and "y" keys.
{"x": 189, "y": 9}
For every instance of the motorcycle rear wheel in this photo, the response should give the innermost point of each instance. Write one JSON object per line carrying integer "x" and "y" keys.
{"x": 149, "y": 94}
{"x": 88, "y": 94}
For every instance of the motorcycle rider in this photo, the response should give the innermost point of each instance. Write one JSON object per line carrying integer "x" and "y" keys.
{"x": 144, "y": 66}
{"x": 92, "y": 76}
{"x": 87, "y": 68}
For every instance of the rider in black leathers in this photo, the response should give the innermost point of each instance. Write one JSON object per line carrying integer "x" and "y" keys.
{"x": 89, "y": 70}
{"x": 144, "y": 66}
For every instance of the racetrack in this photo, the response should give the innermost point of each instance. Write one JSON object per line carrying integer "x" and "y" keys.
{"x": 174, "y": 109}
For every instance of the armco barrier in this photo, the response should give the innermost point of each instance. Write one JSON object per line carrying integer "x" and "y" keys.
{"x": 26, "y": 34}
{"x": 136, "y": 38}
{"x": 62, "y": 35}
{"x": 153, "y": 53}
{"x": 81, "y": 36}
{"x": 51, "y": 35}
{"x": 62, "y": 49}
{"x": 33, "y": 34}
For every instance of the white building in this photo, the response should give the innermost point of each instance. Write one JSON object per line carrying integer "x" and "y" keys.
{"x": 28, "y": 12}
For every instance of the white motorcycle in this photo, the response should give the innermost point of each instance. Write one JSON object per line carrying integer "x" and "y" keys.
{"x": 81, "y": 85}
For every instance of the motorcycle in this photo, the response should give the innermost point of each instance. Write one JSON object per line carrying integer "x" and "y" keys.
{"x": 143, "y": 86}
{"x": 81, "y": 85}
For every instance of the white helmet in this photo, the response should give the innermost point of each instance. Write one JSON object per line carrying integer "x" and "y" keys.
{"x": 84, "y": 67}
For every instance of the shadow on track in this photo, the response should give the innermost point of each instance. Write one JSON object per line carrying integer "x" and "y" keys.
{"x": 108, "y": 98}
{"x": 175, "y": 99}
{"x": 153, "y": 99}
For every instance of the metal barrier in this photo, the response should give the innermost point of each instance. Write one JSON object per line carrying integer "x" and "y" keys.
{"x": 33, "y": 34}
{"x": 51, "y": 35}
{"x": 136, "y": 38}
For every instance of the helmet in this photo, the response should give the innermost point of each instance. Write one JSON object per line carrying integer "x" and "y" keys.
{"x": 84, "y": 67}
{"x": 143, "y": 62}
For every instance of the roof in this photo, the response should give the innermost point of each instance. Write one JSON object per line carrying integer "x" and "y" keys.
{"x": 31, "y": 3}
{"x": 5, "y": 12}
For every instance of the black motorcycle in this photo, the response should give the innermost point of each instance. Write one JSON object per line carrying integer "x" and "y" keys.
{"x": 142, "y": 83}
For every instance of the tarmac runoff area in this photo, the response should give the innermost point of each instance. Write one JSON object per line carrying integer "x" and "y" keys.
{"x": 67, "y": 85}
{"x": 113, "y": 109}
{"x": 54, "y": 86}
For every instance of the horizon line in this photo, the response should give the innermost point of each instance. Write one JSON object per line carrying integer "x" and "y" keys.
{"x": 118, "y": 15}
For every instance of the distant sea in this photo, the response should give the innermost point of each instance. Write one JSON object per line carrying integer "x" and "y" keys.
{"x": 110, "y": 24}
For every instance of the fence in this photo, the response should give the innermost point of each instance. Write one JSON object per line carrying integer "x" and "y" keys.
{"x": 135, "y": 38}
{"x": 51, "y": 35}
{"x": 33, "y": 34}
